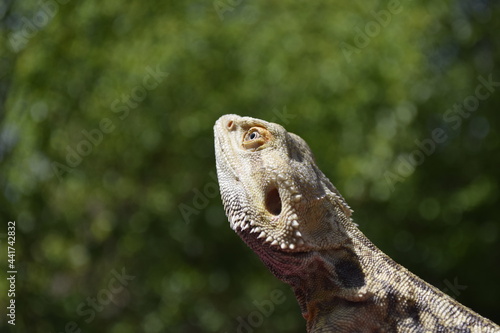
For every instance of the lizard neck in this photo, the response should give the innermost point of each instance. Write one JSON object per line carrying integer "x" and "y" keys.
{"x": 351, "y": 286}
{"x": 327, "y": 283}
{"x": 324, "y": 280}
{"x": 332, "y": 284}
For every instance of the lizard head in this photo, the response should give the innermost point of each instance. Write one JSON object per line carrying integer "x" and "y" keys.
{"x": 269, "y": 183}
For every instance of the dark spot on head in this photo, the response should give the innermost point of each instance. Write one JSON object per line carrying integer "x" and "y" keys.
{"x": 297, "y": 155}
{"x": 294, "y": 151}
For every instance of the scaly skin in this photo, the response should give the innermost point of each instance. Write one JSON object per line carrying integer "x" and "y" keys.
{"x": 295, "y": 220}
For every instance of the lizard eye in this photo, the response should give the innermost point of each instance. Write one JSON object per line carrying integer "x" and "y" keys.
{"x": 255, "y": 137}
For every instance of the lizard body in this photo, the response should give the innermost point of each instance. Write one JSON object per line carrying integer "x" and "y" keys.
{"x": 289, "y": 213}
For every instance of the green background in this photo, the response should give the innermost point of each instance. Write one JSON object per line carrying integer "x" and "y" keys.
{"x": 360, "y": 82}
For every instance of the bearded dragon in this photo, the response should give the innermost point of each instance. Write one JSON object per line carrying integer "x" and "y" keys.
{"x": 289, "y": 213}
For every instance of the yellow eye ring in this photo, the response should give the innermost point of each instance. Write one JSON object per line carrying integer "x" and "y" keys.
{"x": 255, "y": 138}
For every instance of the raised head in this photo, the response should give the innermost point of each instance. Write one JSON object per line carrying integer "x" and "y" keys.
{"x": 269, "y": 183}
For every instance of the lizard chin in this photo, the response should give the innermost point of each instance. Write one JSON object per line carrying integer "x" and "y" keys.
{"x": 288, "y": 239}
{"x": 259, "y": 244}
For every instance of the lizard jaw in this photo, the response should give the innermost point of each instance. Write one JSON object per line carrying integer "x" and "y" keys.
{"x": 278, "y": 224}
{"x": 285, "y": 243}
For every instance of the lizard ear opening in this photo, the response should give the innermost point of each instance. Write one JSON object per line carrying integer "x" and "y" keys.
{"x": 273, "y": 201}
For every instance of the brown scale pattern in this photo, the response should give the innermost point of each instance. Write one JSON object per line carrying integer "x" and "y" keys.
{"x": 295, "y": 220}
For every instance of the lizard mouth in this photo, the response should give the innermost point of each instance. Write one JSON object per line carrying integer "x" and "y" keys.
{"x": 222, "y": 160}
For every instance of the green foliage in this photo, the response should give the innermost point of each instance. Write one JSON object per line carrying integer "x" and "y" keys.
{"x": 107, "y": 159}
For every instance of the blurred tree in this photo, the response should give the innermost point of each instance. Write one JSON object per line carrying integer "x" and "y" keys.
{"x": 107, "y": 162}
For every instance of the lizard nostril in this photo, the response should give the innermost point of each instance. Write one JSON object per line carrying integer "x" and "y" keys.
{"x": 230, "y": 125}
